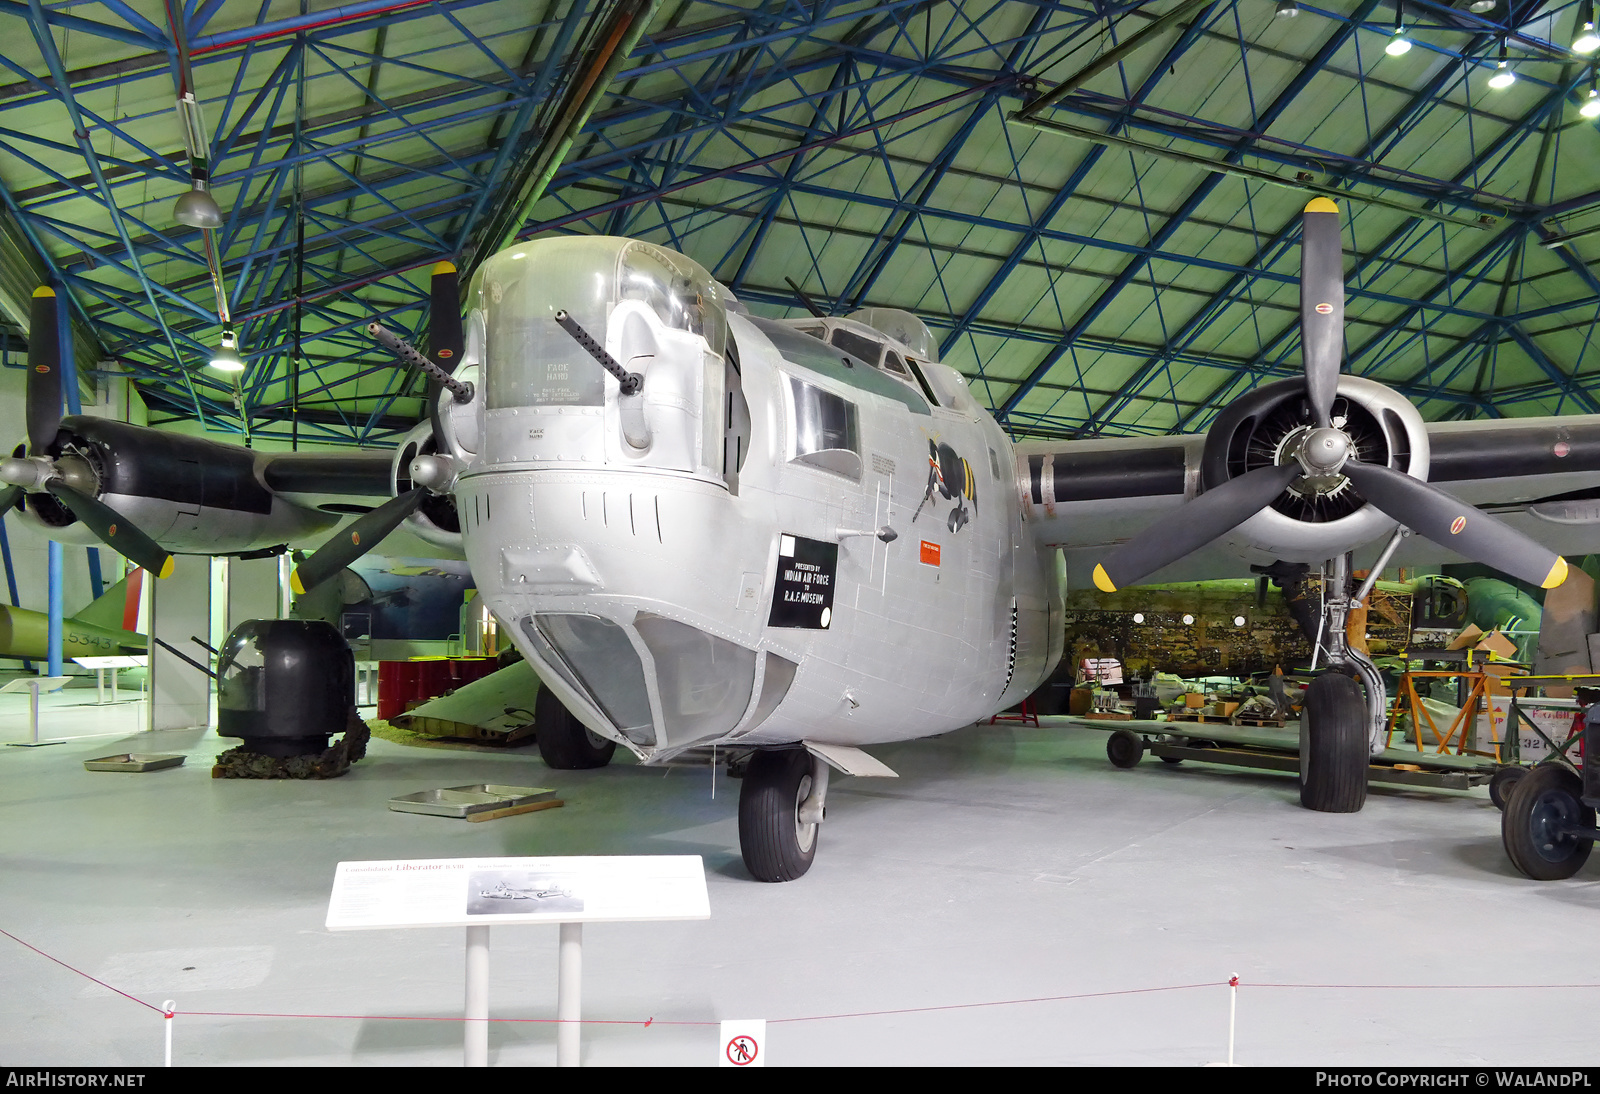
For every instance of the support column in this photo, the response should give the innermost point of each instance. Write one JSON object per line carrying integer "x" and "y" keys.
{"x": 180, "y": 606}
{"x": 252, "y": 590}
{"x": 53, "y": 591}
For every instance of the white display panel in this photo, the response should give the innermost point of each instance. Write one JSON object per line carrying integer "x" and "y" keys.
{"x": 487, "y": 891}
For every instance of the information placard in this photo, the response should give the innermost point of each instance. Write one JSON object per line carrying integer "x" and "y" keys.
{"x": 486, "y": 891}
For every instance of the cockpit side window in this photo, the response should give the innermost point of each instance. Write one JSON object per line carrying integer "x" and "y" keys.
{"x": 922, "y": 381}
{"x": 893, "y": 363}
{"x": 858, "y": 346}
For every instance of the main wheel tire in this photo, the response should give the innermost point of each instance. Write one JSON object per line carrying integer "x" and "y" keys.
{"x": 1333, "y": 745}
{"x": 1543, "y": 801}
{"x": 565, "y": 743}
{"x": 1502, "y": 783}
{"x": 775, "y": 845}
{"x": 1124, "y": 748}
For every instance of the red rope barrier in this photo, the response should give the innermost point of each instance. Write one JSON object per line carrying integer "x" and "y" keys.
{"x": 80, "y": 972}
{"x": 653, "y": 1021}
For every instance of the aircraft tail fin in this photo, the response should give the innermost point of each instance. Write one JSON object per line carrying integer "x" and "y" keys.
{"x": 117, "y": 608}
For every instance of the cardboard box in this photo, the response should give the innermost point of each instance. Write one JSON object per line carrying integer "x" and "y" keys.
{"x": 1194, "y": 700}
{"x": 1224, "y": 710}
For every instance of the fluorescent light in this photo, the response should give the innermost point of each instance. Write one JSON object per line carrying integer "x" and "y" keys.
{"x": 226, "y": 356}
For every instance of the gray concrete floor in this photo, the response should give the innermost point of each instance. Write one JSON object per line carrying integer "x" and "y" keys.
{"x": 1004, "y": 864}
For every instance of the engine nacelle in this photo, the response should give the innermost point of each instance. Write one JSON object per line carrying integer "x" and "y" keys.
{"x": 435, "y": 520}
{"x": 1262, "y": 427}
{"x": 190, "y": 494}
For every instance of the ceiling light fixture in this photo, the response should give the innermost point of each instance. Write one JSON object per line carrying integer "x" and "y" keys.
{"x": 1480, "y": 6}
{"x": 1399, "y": 44}
{"x": 196, "y": 208}
{"x": 1287, "y": 9}
{"x": 1591, "y": 105}
{"x": 1586, "y": 41}
{"x": 1503, "y": 76}
{"x": 226, "y": 358}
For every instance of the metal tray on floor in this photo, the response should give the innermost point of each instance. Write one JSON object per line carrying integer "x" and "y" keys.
{"x": 463, "y": 801}
{"x": 133, "y": 761}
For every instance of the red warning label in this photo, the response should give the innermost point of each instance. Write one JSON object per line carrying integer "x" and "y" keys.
{"x": 930, "y": 553}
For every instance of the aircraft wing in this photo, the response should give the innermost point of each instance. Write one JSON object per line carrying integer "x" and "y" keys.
{"x": 1540, "y": 475}
{"x": 305, "y": 477}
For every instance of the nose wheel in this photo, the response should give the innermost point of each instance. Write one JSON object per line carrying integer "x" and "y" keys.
{"x": 776, "y": 844}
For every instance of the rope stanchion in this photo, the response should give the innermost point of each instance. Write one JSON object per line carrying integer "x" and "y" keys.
{"x": 168, "y": 1009}
{"x": 1233, "y": 1012}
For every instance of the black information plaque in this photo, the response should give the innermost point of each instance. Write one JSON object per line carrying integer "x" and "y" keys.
{"x": 802, "y": 594}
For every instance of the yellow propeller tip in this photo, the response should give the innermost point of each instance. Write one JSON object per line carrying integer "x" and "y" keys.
{"x": 443, "y": 268}
{"x": 1102, "y": 580}
{"x": 294, "y": 583}
{"x": 44, "y": 290}
{"x": 168, "y": 566}
{"x": 1321, "y": 205}
{"x": 1557, "y": 574}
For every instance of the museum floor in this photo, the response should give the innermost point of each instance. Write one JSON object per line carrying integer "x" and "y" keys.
{"x": 1004, "y": 864}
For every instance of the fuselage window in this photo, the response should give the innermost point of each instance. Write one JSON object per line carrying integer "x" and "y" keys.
{"x": 825, "y": 431}
{"x": 858, "y": 346}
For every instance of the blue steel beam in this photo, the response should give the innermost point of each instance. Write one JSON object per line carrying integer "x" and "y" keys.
{"x": 1176, "y": 220}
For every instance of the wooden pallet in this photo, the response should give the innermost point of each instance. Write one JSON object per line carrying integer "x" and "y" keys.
{"x": 1230, "y": 720}
{"x": 1109, "y": 715}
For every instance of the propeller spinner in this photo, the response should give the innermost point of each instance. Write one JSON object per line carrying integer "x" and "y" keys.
{"x": 1325, "y": 457}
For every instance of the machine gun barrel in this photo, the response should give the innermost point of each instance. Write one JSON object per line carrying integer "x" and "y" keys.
{"x": 631, "y": 381}
{"x": 459, "y": 391}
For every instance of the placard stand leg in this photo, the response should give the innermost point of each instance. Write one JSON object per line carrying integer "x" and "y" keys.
{"x": 33, "y": 687}
{"x": 477, "y": 1024}
{"x": 569, "y": 994}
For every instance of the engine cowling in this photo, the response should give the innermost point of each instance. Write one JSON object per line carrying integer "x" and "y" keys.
{"x": 1264, "y": 427}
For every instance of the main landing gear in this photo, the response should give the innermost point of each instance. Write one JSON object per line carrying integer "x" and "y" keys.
{"x": 781, "y": 806}
{"x": 565, "y": 743}
{"x": 1342, "y": 717}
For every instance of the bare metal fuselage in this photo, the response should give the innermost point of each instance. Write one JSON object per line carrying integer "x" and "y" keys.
{"x": 643, "y": 585}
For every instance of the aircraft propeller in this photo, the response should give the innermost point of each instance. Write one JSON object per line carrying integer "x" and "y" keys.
{"x": 1325, "y": 456}
{"x": 41, "y": 471}
{"x": 445, "y": 343}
